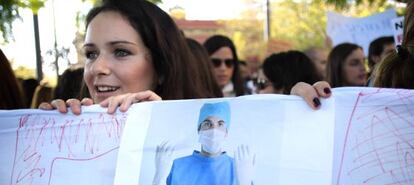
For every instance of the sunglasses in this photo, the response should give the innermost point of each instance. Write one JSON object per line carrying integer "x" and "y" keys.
{"x": 261, "y": 84}
{"x": 218, "y": 62}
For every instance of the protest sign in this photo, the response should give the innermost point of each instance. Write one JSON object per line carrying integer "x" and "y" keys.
{"x": 398, "y": 28}
{"x": 359, "y": 31}
{"x": 359, "y": 136}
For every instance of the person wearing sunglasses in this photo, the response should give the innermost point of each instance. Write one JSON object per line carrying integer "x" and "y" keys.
{"x": 226, "y": 67}
{"x": 281, "y": 71}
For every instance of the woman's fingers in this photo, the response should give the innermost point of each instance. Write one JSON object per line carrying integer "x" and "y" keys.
{"x": 45, "y": 106}
{"x": 127, "y": 103}
{"x": 113, "y": 103}
{"x": 126, "y": 100}
{"x": 323, "y": 89}
{"x": 75, "y": 105}
{"x": 138, "y": 97}
{"x": 87, "y": 101}
{"x": 147, "y": 96}
{"x": 308, "y": 93}
{"x": 60, "y": 105}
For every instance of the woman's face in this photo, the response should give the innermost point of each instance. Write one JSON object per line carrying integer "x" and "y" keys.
{"x": 223, "y": 72}
{"x": 354, "y": 69}
{"x": 117, "y": 61}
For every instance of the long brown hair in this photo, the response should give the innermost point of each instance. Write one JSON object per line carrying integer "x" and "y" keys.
{"x": 397, "y": 69}
{"x": 336, "y": 61}
{"x": 408, "y": 33}
{"x": 178, "y": 77}
{"x": 202, "y": 60}
{"x": 11, "y": 96}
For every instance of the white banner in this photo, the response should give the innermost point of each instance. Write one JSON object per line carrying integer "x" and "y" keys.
{"x": 361, "y": 31}
{"x": 359, "y": 136}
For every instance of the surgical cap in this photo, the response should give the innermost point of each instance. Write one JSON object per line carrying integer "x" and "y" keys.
{"x": 219, "y": 109}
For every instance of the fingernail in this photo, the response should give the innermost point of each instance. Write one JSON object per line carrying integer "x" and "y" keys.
{"x": 327, "y": 91}
{"x": 316, "y": 102}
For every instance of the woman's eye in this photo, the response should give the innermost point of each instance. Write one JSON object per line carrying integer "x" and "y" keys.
{"x": 90, "y": 55}
{"x": 355, "y": 62}
{"x": 121, "y": 53}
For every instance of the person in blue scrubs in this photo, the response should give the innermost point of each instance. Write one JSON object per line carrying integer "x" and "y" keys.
{"x": 211, "y": 165}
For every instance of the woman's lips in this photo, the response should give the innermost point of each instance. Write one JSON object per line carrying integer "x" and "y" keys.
{"x": 104, "y": 91}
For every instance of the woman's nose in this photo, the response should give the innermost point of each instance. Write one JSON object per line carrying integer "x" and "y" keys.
{"x": 101, "y": 66}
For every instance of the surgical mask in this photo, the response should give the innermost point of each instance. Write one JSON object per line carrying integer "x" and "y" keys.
{"x": 211, "y": 140}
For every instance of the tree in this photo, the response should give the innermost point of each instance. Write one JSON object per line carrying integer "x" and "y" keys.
{"x": 341, "y": 4}
{"x": 294, "y": 25}
{"x": 10, "y": 12}
{"x": 246, "y": 32}
{"x": 302, "y": 24}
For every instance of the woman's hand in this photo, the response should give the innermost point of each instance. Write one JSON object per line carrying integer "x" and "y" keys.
{"x": 311, "y": 93}
{"x": 124, "y": 101}
{"x": 62, "y": 106}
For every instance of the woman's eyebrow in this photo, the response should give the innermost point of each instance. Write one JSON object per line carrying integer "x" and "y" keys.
{"x": 121, "y": 42}
{"x": 88, "y": 45}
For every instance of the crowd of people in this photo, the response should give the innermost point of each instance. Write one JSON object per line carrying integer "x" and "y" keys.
{"x": 148, "y": 46}
{"x": 135, "y": 52}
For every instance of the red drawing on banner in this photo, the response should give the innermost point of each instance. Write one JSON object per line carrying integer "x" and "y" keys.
{"x": 43, "y": 141}
{"x": 379, "y": 142}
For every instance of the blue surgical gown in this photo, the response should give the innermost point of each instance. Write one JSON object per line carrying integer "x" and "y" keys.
{"x": 197, "y": 169}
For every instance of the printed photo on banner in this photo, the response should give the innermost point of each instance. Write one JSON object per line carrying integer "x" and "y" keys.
{"x": 225, "y": 142}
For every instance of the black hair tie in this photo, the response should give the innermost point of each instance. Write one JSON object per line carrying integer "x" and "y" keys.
{"x": 402, "y": 52}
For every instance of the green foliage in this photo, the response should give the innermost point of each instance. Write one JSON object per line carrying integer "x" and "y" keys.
{"x": 97, "y": 1}
{"x": 345, "y": 4}
{"x": 155, "y": 1}
{"x": 246, "y": 33}
{"x": 34, "y": 5}
{"x": 301, "y": 24}
{"x": 9, "y": 12}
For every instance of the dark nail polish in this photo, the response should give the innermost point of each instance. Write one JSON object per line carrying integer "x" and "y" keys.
{"x": 327, "y": 91}
{"x": 316, "y": 102}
